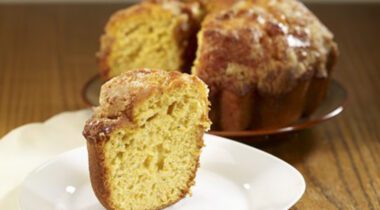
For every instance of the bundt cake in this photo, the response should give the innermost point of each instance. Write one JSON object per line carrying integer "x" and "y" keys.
{"x": 145, "y": 138}
{"x": 266, "y": 63}
{"x": 149, "y": 35}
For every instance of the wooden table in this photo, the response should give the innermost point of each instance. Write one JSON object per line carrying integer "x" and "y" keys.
{"x": 47, "y": 54}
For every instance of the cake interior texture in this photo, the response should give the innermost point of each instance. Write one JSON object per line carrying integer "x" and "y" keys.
{"x": 154, "y": 162}
{"x": 143, "y": 36}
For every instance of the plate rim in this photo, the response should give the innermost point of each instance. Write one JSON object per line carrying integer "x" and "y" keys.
{"x": 291, "y": 203}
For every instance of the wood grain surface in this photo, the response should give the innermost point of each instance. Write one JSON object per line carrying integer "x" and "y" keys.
{"x": 47, "y": 54}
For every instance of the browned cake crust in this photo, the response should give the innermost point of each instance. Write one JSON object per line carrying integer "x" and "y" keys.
{"x": 210, "y": 6}
{"x": 266, "y": 63}
{"x": 117, "y": 100}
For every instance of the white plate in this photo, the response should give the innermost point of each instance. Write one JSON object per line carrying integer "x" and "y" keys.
{"x": 272, "y": 183}
{"x": 26, "y": 147}
{"x": 232, "y": 176}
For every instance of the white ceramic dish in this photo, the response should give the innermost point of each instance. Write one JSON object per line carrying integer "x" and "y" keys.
{"x": 231, "y": 173}
{"x": 232, "y": 176}
{"x": 26, "y": 147}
